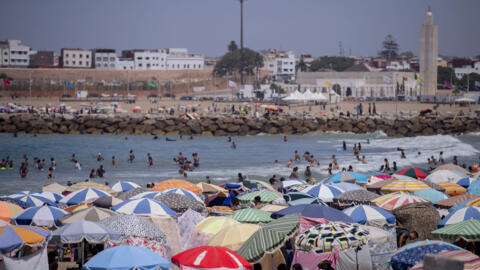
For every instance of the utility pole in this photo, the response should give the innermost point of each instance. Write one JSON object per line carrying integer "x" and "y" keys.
{"x": 241, "y": 43}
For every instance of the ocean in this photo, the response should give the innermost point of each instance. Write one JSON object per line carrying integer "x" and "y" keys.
{"x": 254, "y": 156}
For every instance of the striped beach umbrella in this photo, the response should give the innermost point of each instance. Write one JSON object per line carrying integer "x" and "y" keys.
{"x": 177, "y": 183}
{"x": 266, "y": 196}
{"x": 15, "y": 237}
{"x": 52, "y": 196}
{"x": 146, "y": 195}
{"x": 468, "y": 230}
{"x": 406, "y": 185}
{"x": 452, "y": 189}
{"x": 449, "y": 176}
{"x": 460, "y": 215}
{"x": 370, "y": 215}
{"x": 144, "y": 207}
{"x": 252, "y": 215}
{"x": 32, "y": 199}
{"x": 415, "y": 173}
{"x": 122, "y": 186}
{"x": 465, "y": 182}
{"x": 394, "y": 200}
{"x": 347, "y": 186}
{"x": 432, "y": 195}
{"x": 473, "y": 202}
{"x": 45, "y": 216}
{"x": 325, "y": 192}
{"x": 289, "y": 183}
{"x": 314, "y": 211}
{"x": 8, "y": 210}
{"x": 93, "y": 214}
{"x": 208, "y": 257}
{"x": 460, "y": 205}
{"x": 82, "y": 195}
{"x": 184, "y": 192}
{"x": 351, "y": 177}
{"x": 470, "y": 260}
{"x": 127, "y": 257}
{"x": 452, "y": 201}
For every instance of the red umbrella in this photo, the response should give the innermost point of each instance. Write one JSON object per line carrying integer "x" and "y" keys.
{"x": 207, "y": 257}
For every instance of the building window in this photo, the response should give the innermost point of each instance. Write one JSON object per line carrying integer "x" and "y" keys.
{"x": 73, "y": 62}
{"x": 105, "y": 59}
{"x": 99, "y": 59}
{"x": 98, "y": 65}
{"x": 80, "y": 56}
{"x": 112, "y": 65}
{"x": 112, "y": 59}
{"x": 147, "y": 58}
{"x": 148, "y": 65}
{"x": 88, "y": 64}
{"x": 80, "y": 62}
{"x": 66, "y": 55}
{"x": 140, "y": 65}
{"x": 73, "y": 55}
{"x": 66, "y": 62}
{"x": 194, "y": 66}
{"x": 87, "y": 56}
{"x": 139, "y": 58}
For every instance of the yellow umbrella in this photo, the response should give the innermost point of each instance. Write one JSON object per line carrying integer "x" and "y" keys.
{"x": 452, "y": 189}
{"x": 233, "y": 236}
{"x": 474, "y": 202}
{"x": 213, "y": 225}
{"x": 406, "y": 185}
{"x": 210, "y": 188}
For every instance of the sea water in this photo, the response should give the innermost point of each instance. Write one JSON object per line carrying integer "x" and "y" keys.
{"x": 258, "y": 157}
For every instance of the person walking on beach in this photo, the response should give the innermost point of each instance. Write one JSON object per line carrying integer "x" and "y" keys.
{"x": 131, "y": 156}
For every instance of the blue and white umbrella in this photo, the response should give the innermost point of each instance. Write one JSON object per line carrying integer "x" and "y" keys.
{"x": 460, "y": 215}
{"x": 322, "y": 191}
{"x": 32, "y": 199}
{"x": 465, "y": 182}
{"x": 351, "y": 177}
{"x": 474, "y": 188}
{"x": 459, "y": 205}
{"x": 25, "y": 192}
{"x": 146, "y": 194}
{"x": 144, "y": 207}
{"x": 289, "y": 183}
{"x": 50, "y": 195}
{"x": 347, "y": 186}
{"x": 450, "y": 176}
{"x": 432, "y": 195}
{"x": 45, "y": 216}
{"x": 82, "y": 195}
{"x": 184, "y": 192}
{"x": 370, "y": 215}
{"x": 123, "y": 186}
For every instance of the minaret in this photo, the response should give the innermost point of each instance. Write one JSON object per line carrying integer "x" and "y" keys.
{"x": 428, "y": 55}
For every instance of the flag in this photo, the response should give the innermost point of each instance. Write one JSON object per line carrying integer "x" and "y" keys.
{"x": 420, "y": 79}
{"x": 477, "y": 84}
{"x": 70, "y": 85}
{"x": 404, "y": 78}
{"x": 232, "y": 84}
{"x": 328, "y": 83}
{"x": 152, "y": 84}
{"x": 447, "y": 84}
{"x": 6, "y": 82}
{"x": 387, "y": 79}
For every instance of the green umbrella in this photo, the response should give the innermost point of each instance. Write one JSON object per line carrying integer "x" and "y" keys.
{"x": 266, "y": 196}
{"x": 468, "y": 230}
{"x": 252, "y": 215}
{"x": 269, "y": 238}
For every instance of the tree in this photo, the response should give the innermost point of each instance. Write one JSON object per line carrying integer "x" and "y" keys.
{"x": 331, "y": 62}
{"x": 231, "y": 62}
{"x": 446, "y": 74}
{"x": 407, "y": 54}
{"x": 302, "y": 66}
{"x": 232, "y": 46}
{"x": 468, "y": 81}
{"x": 389, "y": 48}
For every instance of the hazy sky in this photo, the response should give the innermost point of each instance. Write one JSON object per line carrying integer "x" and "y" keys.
{"x": 207, "y": 26}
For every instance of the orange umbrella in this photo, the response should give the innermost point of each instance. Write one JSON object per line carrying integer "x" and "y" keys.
{"x": 452, "y": 189}
{"x": 177, "y": 183}
{"x": 8, "y": 210}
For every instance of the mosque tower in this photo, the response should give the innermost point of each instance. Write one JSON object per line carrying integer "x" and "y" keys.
{"x": 428, "y": 55}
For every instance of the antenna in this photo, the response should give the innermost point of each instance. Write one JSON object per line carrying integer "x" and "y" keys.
{"x": 341, "y": 50}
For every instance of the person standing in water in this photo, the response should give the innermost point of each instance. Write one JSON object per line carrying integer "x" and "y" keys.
{"x": 52, "y": 163}
{"x": 307, "y": 173}
{"x": 285, "y": 138}
{"x": 99, "y": 157}
{"x": 297, "y": 156}
{"x": 131, "y": 156}
{"x": 344, "y": 145}
{"x": 294, "y": 173}
{"x": 234, "y": 145}
{"x": 149, "y": 160}
{"x": 50, "y": 173}
{"x": 113, "y": 160}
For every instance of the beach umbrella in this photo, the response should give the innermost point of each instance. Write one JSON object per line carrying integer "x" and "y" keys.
{"x": 474, "y": 188}
{"x": 45, "y": 216}
{"x": 93, "y": 214}
{"x": 306, "y": 201}
{"x": 379, "y": 178}
{"x": 78, "y": 231}
{"x": 293, "y": 196}
{"x": 127, "y": 257}
{"x": 212, "y": 225}
{"x": 90, "y": 185}
{"x": 460, "y": 215}
{"x": 289, "y": 183}
{"x": 52, "y": 196}
{"x": 251, "y": 215}
{"x": 379, "y": 185}
{"x": 370, "y": 215}
{"x": 397, "y": 199}
{"x": 468, "y": 230}
{"x": 130, "y": 225}
{"x": 14, "y": 201}
{"x": 431, "y": 195}
{"x": 474, "y": 202}
{"x": 233, "y": 236}
{"x": 412, "y": 254}
{"x": 269, "y": 238}
{"x": 32, "y": 199}
{"x": 180, "y": 203}
{"x": 13, "y": 237}
{"x": 257, "y": 184}
{"x": 144, "y": 207}
{"x": 208, "y": 257}
{"x": 345, "y": 186}
{"x": 54, "y": 187}
{"x": 211, "y": 188}
{"x": 82, "y": 195}
{"x": 176, "y": 183}
{"x": 359, "y": 196}
{"x": 131, "y": 193}
{"x": 314, "y": 211}
{"x": 351, "y": 177}
{"x": 406, "y": 185}
{"x": 450, "y": 202}
{"x": 433, "y": 185}
{"x": 332, "y": 236}
{"x": 470, "y": 260}
{"x": 24, "y": 192}
{"x": 465, "y": 182}
{"x": 78, "y": 207}
{"x": 453, "y": 189}
{"x": 322, "y": 191}
{"x": 450, "y": 167}
{"x": 460, "y": 205}
{"x": 122, "y": 186}
{"x": 266, "y": 196}
{"x": 184, "y": 192}
{"x": 450, "y": 176}
{"x": 8, "y": 210}
{"x": 272, "y": 208}
{"x": 107, "y": 201}
{"x": 147, "y": 195}
{"x": 414, "y": 173}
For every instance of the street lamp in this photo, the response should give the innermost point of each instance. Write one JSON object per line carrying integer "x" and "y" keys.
{"x": 241, "y": 42}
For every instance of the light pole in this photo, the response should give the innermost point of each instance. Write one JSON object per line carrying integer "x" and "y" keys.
{"x": 241, "y": 43}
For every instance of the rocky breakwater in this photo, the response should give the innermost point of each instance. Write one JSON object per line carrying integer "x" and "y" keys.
{"x": 231, "y": 126}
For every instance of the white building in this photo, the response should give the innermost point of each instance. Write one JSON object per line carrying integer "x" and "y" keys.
{"x": 76, "y": 58}
{"x": 280, "y": 65}
{"x": 14, "y": 54}
{"x": 460, "y": 72}
{"x": 147, "y": 59}
{"x": 105, "y": 59}
{"x": 178, "y": 58}
{"x": 398, "y": 65}
{"x": 125, "y": 63}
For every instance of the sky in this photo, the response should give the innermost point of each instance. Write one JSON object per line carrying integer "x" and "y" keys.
{"x": 207, "y": 26}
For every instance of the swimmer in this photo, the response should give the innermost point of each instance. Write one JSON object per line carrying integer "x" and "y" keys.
{"x": 190, "y": 138}
{"x": 285, "y": 138}
{"x": 126, "y": 138}
{"x": 92, "y": 173}
{"x": 10, "y": 164}
{"x": 113, "y": 160}
{"x": 99, "y": 157}
{"x": 229, "y": 139}
{"x": 149, "y": 160}
{"x": 297, "y": 156}
{"x": 234, "y": 145}
{"x": 131, "y": 156}
{"x": 78, "y": 166}
{"x": 294, "y": 173}
{"x": 73, "y": 159}
{"x": 53, "y": 164}
{"x": 196, "y": 160}
{"x": 350, "y": 168}
{"x": 155, "y": 137}
{"x": 289, "y": 163}
{"x": 402, "y": 154}
{"x": 364, "y": 161}
{"x": 344, "y": 145}
{"x": 50, "y": 173}
{"x": 100, "y": 171}
{"x": 181, "y": 158}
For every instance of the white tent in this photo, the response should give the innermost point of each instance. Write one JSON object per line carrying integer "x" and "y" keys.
{"x": 294, "y": 96}
{"x": 320, "y": 97}
{"x": 465, "y": 100}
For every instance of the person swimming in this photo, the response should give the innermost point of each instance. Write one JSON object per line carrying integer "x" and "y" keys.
{"x": 99, "y": 157}
{"x": 364, "y": 161}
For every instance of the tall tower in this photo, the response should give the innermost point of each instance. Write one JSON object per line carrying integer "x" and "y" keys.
{"x": 429, "y": 55}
